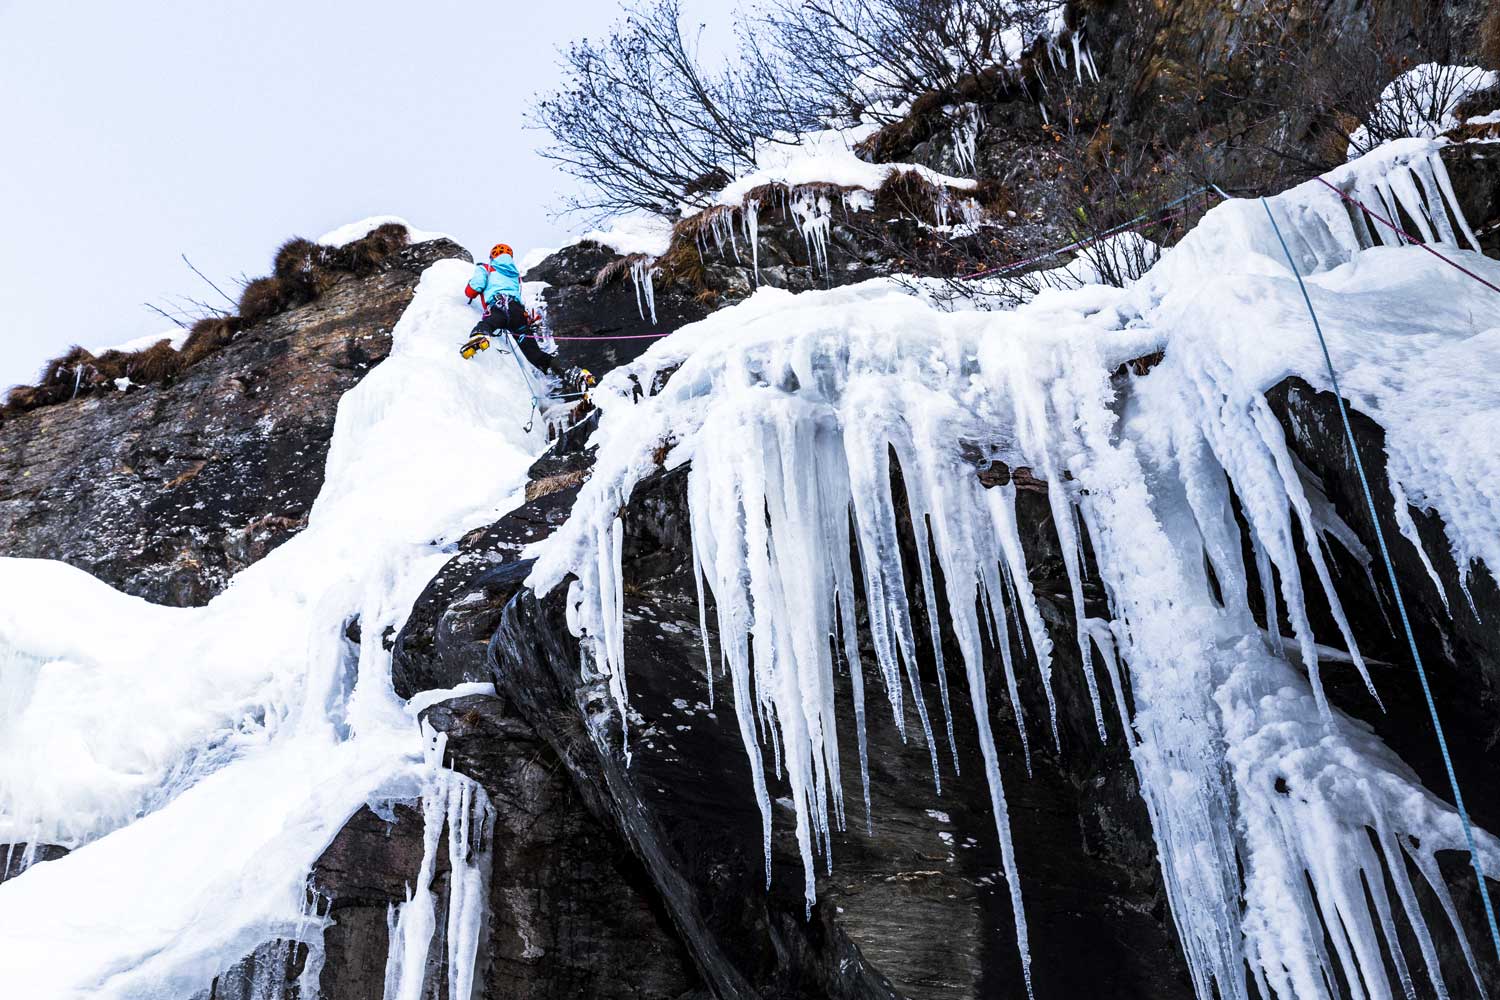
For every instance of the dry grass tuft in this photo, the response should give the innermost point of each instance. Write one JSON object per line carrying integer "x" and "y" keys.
{"x": 662, "y": 449}
{"x": 617, "y": 269}
{"x": 994, "y": 197}
{"x": 684, "y": 264}
{"x": 207, "y": 336}
{"x": 158, "y": 363}
{"x": 906, "y": 192}
{"x": 262, "y": 299}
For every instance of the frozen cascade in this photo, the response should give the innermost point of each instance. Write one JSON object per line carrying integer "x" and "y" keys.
{"x": 460, "y": 806}
{"x": 221, "y": 749}
{"x": 813, "y": 214}
{"x": 752, "y": 234}
{"x": 643, "y": 273}
{"x": 836, "y": 381}
{"x": 967, "y": 122}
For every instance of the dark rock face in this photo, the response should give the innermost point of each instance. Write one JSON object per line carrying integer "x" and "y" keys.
{"x": 13, "y": 857}
{"x": 576, "y": 308}
{"x": 571, "y": 914}
{"x": 166, "y": 492}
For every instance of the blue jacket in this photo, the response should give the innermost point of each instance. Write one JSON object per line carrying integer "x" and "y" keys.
{"x": 499, "y": 277}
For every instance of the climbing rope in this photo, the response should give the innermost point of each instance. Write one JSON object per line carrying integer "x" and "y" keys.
{"x": 514, "y": 350}
{"x": 624, "y": 336}
{"x": 1390, "y": 569}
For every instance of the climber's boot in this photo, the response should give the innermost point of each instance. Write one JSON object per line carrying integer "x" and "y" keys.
{"x": 478, "y": 342}
{"x": 578, "y": 381}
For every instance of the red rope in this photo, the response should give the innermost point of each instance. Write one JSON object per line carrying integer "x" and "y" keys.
{"x": 1410, "y": 238}
{"x": 628, "y": 336}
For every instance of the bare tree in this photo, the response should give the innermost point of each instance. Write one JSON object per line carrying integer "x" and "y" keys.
{"x": 644, "y": 124}
{"x": 868, "y": 58}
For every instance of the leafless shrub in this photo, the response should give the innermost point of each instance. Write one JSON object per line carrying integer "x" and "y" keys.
{"x": 870, "y": 58}
{"x": 644, "y": 124}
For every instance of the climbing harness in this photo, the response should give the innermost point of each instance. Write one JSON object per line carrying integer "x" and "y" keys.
{"x": 1390, "y": 569}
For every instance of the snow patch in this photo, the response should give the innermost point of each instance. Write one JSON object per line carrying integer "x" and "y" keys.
{"x": 364, "y": 227}
{"x": 826, "y": 158}
{"x": 637, "y": 233}
{"x": 1421, "y": 103}
{"x": 177, "y": 336}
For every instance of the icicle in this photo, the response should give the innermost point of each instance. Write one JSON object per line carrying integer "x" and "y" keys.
{"x": 789, "y": 420}
{"x": 455, "y": 803}
{"x": 1440, "y": 172}
{"x": 966, "y": 122}
{"x": 1401, "y": 507}
{"x": 644, "y": 273}
{"x": 752, "y": 234}
{"x": 812, "y": 213}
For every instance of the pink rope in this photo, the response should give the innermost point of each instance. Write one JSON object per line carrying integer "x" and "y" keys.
{"x": 1410, "y": 238}
{"x": 628, "y": 336}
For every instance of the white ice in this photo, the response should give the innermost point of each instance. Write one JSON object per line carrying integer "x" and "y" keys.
{"x": 787, "y": 406}
{"x": 1421, "y": 102}
{"x": 198, "y": 761}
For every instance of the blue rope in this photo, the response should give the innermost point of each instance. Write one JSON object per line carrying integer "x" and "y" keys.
{"x": 1390, "y": 569}
{"x": 536, "y": 405}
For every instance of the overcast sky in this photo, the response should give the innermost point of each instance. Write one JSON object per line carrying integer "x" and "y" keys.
{"x": 136, "y": 132}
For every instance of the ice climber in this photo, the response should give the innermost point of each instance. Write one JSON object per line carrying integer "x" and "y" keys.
{"x": 497, "y": 286}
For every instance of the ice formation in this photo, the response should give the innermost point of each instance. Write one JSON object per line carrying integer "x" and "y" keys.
{"x": 455, "y": 803}
{"x": 967, "y": 123}
{"x": 200, "y": 760}
{"x": 787, "y": 409}
{"x": 643, "y": 274}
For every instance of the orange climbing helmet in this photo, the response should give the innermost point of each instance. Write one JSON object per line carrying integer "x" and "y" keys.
{"x": 501, "y": 249}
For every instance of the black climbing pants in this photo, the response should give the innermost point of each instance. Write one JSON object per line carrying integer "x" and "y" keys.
{"x": 509, "y": 316}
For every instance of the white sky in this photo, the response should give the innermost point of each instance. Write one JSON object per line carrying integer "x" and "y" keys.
{"x": 135, "y": 132}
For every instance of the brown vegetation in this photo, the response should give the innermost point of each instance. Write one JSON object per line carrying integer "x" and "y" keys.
{"x": 616, "y": 269}
{"x": 262, "y": 299}
{"x": 207, "y": 336}
{"x": 907, "y": 192}
{"x": 302, "y": 271}
{"x": 158, "y": 363}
